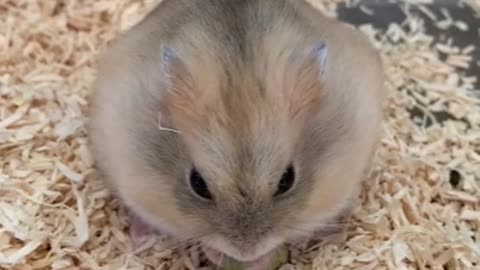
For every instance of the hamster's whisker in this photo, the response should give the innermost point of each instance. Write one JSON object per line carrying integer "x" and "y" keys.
{"x": 321, "y": 227}
{"x": 345, "y": 222}
{"x": 162, "y": 128}
{"x": 298, "y": 229}
{"x": 168, "y": 129}
{"x": 183, "y": 243}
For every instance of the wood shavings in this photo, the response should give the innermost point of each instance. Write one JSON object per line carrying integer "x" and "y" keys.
{"x": 56, "y": 214}
{"x": 19, "y": 255}
{"x": 470, "y": 215}
{"x": 69, "y": 173}
{"x": 411, "y": 192}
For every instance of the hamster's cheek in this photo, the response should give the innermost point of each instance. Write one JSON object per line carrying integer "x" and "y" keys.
{"x": 168, "y": 220}
{"x": 154, "y": 204}
{"x": 334, "y": 192}
{"x": 141, "y": 231}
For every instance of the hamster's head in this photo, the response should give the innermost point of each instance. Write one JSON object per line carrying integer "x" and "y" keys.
{"x": 250, "y": 154}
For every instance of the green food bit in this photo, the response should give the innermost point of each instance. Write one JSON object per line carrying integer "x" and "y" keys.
{"x": 278, "y": 259}
{"x": 231, "y": 264}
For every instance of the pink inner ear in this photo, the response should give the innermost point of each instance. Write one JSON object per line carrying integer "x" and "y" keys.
{"x": 302, "y": 81}
{"x": 303, "y": 90}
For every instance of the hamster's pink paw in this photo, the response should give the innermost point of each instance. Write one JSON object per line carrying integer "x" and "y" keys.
{"x": 214, "y": 256}
{"x": 260, "y": 264}
{"x": 140, "y": 231}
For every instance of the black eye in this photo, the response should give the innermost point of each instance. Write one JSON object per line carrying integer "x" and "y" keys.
{"x": 286, "y": 182}
{"x": 199, "y": 185}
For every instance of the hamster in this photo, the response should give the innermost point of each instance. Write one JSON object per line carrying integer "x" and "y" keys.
{"x": 238, "y": 124}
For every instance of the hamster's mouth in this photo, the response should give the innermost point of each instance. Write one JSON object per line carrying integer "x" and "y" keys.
{"x": 220, "y": 259}
{"x": 140, "y": 232}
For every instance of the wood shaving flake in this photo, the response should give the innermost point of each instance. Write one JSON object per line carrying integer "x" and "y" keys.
{"x": 461, "y": 25}
{"x": 367, "y": 10}
{"x": 69, "y": 173}
{"x": 18, "y": 255}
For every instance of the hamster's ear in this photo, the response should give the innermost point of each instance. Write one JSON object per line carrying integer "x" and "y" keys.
{"x": 167, "y": 57}
{"x": 176, "y": 80}
{"x": 181, "y": 98}
{"x": 320, "y": 54}
{"x": 303, "y": 86}
{"x": 312, "y": 63}
{"x": 171, "y": 66}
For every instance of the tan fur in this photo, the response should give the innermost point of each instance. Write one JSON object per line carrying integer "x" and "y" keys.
{"x": 242, "y": 114}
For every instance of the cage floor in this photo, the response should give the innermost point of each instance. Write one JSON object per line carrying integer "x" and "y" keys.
{"x": 420, "y": 208}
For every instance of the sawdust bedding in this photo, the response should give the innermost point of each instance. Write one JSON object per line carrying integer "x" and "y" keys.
{"x": 420, "y": 206}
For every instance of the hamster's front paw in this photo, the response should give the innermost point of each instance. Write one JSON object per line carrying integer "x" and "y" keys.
{"x": 214, "y": 256}
{"x": 139, "y": 231}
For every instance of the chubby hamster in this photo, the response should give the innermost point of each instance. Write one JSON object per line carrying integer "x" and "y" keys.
{"x": 238, "y": 124}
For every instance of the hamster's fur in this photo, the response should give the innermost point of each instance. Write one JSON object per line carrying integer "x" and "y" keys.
{"x": 238, "y": 90}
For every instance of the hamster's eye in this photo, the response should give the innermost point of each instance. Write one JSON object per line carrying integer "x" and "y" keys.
{"x": 286, "y": 182}
{"x": 199, "y": 185}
